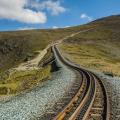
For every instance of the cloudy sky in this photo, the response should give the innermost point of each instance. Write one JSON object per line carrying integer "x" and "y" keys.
{"x": 32, "y": 14}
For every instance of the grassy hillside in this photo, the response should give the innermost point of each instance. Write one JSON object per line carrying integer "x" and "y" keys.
{"x": 98, "y": 48}
{"x": 15, "y": 47}
{"x": 21, "y": 46}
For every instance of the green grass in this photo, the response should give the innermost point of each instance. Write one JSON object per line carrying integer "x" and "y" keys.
{"x": 98, "y": 48}
{"x": 24, "y": 80}
{"x": 15, "y": 47}
{"x": 93, "y": 57}
{"x": 19, "y": 81}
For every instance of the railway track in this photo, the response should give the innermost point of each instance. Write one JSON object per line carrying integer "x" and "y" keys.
{"x": 87, "y": 100}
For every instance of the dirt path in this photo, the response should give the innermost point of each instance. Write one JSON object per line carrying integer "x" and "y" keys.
{"x": 32, "y": 64}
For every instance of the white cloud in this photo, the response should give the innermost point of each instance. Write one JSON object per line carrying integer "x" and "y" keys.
{"x": 66, "y": 26}
{"x": 55, "y": 27}
{"x": 53, "y": 6}
{"x": 26, "y": 28}
{"x": 21, "y": 10}
{"x": 85, "y": 16}
{"x": 15, "y": 10}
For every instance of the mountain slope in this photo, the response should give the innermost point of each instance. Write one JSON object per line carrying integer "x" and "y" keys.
{"x": 98, "y": 48}
{"x": 17, "y": 46}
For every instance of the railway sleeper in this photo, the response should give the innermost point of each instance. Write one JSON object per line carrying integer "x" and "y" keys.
{"x": 98, "y": 89}
{"x": 98, "y": 103}
{"x": 94, "y": 117}
{"x": 96, "y": 111}
{"x": 98, "y": 108}
{"x": 99, "y": 98}
{"x": 99, "y": 95}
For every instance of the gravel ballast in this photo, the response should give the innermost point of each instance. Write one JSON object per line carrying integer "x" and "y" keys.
{"x": 112, "y": 85}
{"x": 35, "y": 102}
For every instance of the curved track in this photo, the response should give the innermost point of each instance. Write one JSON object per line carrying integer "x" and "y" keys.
{"x": 89, "y": 102}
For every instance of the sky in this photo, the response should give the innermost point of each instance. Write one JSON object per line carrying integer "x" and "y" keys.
{"x": 41, "y": 14}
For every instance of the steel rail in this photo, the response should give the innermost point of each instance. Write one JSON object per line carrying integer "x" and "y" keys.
{"x": 88, "y": 79}
{"x": 87, "y": 100}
